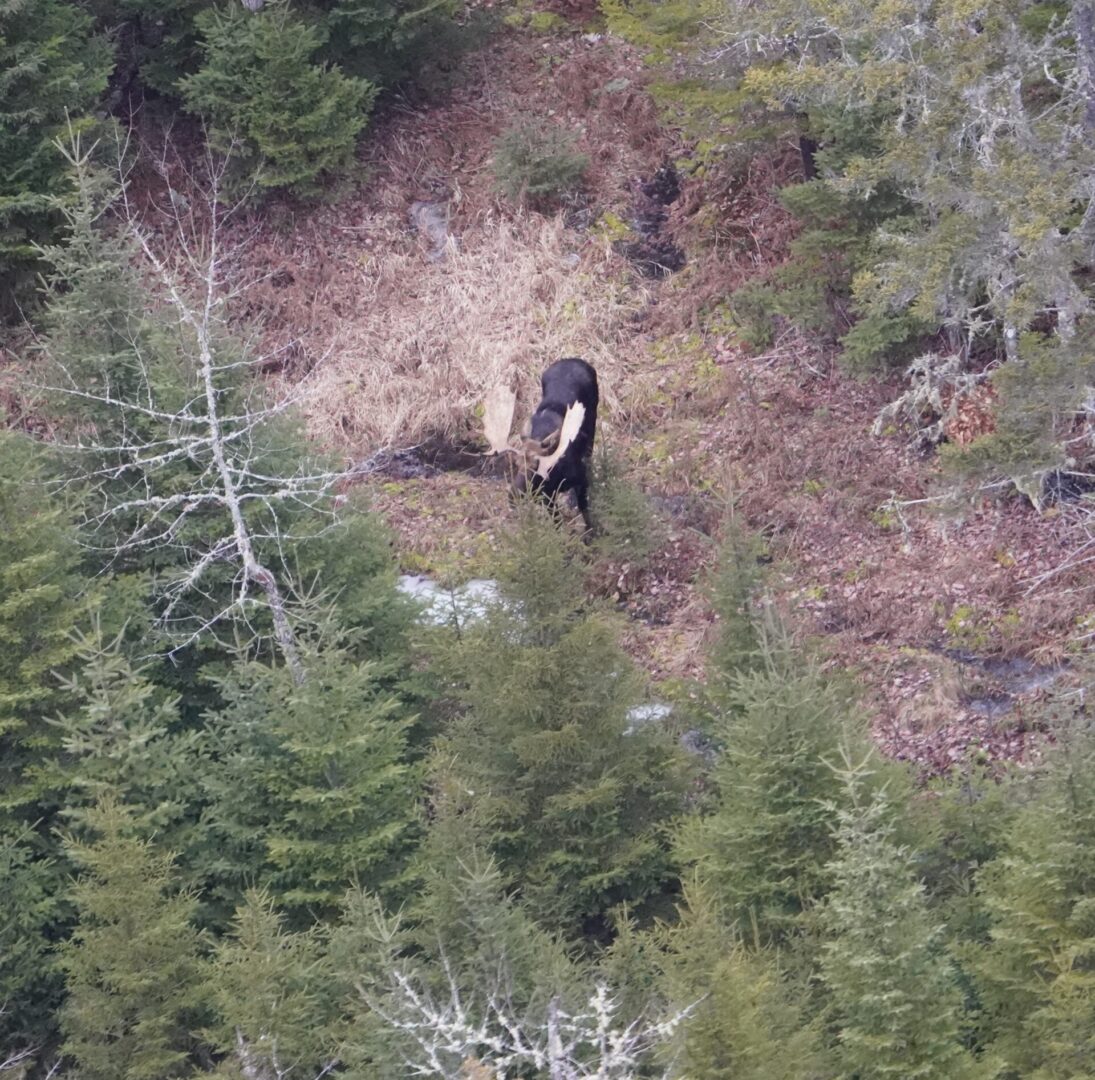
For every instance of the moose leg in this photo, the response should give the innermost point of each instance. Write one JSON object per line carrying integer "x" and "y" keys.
{"x": 581, "y": 495}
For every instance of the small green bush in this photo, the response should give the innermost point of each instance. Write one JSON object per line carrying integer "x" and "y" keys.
{"x": 283, "y": 121}
{"x": 753, "y": 307}
{"x": 626, "y": 524}
{"x": 879, "y": 340}
{"x": 534, "y": 161}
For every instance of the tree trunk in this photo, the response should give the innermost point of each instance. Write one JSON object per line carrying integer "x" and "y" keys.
{"x": 1083, "y": 19}
{"x": 807, "y": 147}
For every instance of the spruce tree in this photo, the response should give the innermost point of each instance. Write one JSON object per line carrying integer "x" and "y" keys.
{"x": 40, "y": 607}
{"x": 746, "y": 1023}
{"x": 570, "y": 796}
{"x": 202, "y": 492}
{"x": 761, "y": 850}
{"x": 135, "y": 978}
{"x": 282, "y": 120}
{"x": 1034, "y": 974}
{"x": 122, "y": 734}
{"x": 310, "y": 789}
{"x": 30, "y": 984}
{"x": 52, "y": 72}
{"x": 737, "y": 646}
{"x": 894, "y": 998}
{"x": 956, "y": 831}
{"x": 272, "y": 992}
{"x": 155, "y": 43}
{"x": 472, "y": 986}
{"x": 463, "y": 934}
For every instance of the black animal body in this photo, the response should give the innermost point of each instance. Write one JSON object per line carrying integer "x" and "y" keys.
{"x": 566, "y": 383}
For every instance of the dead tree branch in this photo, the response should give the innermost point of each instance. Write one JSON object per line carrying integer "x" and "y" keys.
{"x": 444, "y": 1035}
{"x": 193, "y": 473}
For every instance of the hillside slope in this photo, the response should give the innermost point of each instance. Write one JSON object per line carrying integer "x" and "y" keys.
{"x": 407, "y": 300}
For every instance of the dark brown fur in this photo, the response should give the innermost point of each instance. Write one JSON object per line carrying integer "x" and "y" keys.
{"x": 565, "y": 383}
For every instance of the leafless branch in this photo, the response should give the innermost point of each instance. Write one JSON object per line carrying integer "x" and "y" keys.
{"x": 444, "y": 1035}
{"x": 238, "y": 501}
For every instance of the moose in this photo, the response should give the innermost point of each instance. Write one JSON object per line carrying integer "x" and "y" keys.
{"x": 556, "y": 445}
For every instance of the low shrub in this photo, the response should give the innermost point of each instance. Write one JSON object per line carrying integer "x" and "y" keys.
{"x": 627, "y": 525}
{"x": 535, "y": 161}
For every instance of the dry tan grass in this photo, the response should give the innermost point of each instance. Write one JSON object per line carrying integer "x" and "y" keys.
{"x": 428, "y": 341}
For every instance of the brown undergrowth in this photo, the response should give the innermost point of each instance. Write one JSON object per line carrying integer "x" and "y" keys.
{"x": 400, "y": 347}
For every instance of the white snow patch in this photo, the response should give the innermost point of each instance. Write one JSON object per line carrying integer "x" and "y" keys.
{"x": 641, "y": 715}
{"x": 464, "y": 604}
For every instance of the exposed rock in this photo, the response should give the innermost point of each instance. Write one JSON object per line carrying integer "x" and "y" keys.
{"x": 641, "y": 716}
{"x": 431, "y": 221}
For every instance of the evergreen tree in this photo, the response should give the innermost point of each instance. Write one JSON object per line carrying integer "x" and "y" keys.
{"x": 737, "y": 646}
{"x": 388, "y": 43}
{"x": 122, "y": 734}
{"x": 52, "y": 72}
{"x": 350, "y": 565}
{"x": 311, "y": 789}
{"x": 283, "y": 120}
{"x": 155, "y": 43}
{"x": 475, "y": 987}
{"x": 39, "y": 610}
{"x": 1034, "y": 975}
{"x": 746, "y": 1022}
{"x": 104, "y": 355}
{"x": 962, "y": 827}
{"x": 894, "y": 997}
{"x": 570, "y": 797}
{"x": 30, "y": 986}
{"x": 272, "y": 990}
{"x": 464, "y": 934}
{"x": 197, "y": 487}
{"x": 762, "y": 851}
{"x": 134, "y": 974}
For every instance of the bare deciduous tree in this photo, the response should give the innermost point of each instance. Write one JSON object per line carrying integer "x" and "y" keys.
{"x": 239, "y": 497}
{"x": 446, "y": 1038}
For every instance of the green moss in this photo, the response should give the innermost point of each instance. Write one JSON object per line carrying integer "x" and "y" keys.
{"x": 612, "y": 228}
{"x": 546, "y": 22}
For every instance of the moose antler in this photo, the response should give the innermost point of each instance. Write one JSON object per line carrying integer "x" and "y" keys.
{"x": 498, "y": 408}
{"x": 572, "y": 423}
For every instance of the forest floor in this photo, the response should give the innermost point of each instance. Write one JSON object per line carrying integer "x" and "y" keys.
{"x": 957, "y": 624}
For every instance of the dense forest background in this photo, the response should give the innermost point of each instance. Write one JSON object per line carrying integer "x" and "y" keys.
{"x": 666, "y": 804}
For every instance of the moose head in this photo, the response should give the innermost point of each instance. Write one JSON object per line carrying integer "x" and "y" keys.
{"x": 536, "y": 456}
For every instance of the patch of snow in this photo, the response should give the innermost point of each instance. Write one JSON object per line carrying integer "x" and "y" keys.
{"x": 641, "y": 715}
{"x": 440, "y": 606}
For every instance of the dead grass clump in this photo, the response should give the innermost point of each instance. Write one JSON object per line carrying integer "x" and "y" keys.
{"x": 428, "y": 341}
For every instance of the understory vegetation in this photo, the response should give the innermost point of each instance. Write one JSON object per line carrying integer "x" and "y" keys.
{"x": 945, "y": 213}
{"x": 262, "y": 820}
{"x": 366, "y": 850}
